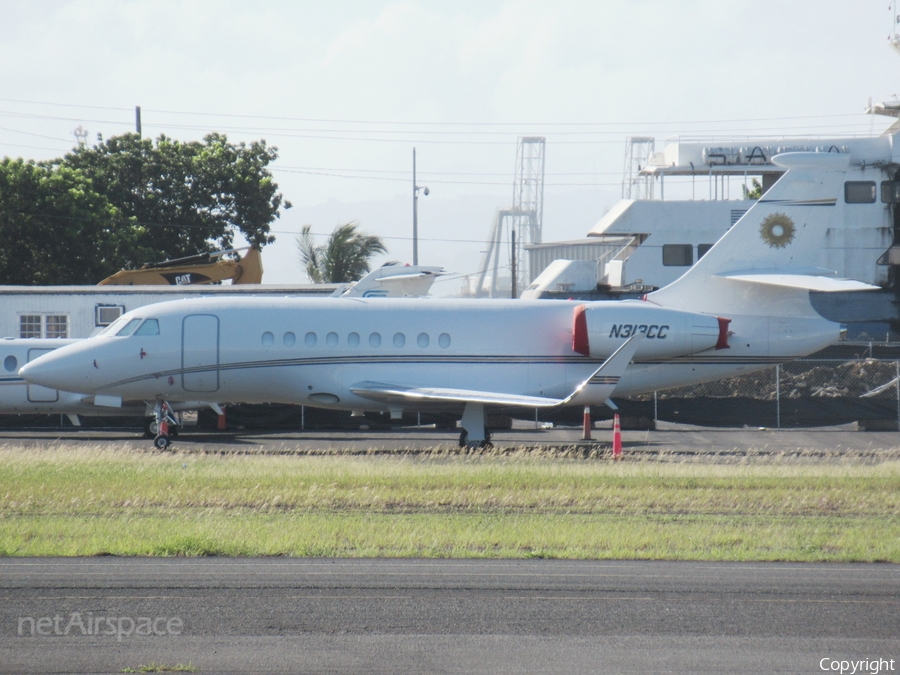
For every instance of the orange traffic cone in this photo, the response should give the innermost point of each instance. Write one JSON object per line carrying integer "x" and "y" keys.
{"x": 586, "y": 425}
{"x": 617, "y": 438}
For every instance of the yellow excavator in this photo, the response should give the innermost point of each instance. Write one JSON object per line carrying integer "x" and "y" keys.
{"x": 205, "y": 268}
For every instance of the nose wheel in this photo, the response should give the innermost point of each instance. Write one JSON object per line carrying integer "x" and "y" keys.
{"x": 164, "y": 421}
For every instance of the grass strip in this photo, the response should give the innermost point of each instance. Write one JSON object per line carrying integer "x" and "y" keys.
{"x": 93, "y": 502}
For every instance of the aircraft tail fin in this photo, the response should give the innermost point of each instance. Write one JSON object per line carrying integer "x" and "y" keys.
{"x": 393, "y": 281}
{"x": 780, "y": 237}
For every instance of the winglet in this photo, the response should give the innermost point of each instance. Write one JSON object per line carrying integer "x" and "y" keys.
{"x": 600, "y": 385}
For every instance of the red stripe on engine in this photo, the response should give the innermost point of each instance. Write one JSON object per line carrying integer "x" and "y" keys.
{"x": 723, "y": 333}
{"x": 580, "y": 342}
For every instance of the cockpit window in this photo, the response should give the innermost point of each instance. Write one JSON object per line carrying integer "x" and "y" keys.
{"x": 128, "y": 328}
{"x": 114, "y": 327}
{"x": 149, "y": 327}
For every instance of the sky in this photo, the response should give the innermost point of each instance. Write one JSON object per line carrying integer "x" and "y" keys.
{"x": 346, "y": 89}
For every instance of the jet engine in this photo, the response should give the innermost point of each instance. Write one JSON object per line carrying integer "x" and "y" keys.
{"x": 600, "y": 329}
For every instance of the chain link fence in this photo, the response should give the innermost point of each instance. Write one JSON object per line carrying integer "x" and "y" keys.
{"x": 804, "y": 393}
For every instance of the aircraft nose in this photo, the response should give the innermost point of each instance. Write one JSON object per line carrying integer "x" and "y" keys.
{"x": 56, "y": 371}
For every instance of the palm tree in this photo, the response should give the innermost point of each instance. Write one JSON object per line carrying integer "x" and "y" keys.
{"x": 344, "y": 258}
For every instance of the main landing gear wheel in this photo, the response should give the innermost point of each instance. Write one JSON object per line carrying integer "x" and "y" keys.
{"x": 464, "y": 440}
{"x": 161, "y": 442}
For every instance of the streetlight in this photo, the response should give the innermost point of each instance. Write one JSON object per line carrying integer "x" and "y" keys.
{"x": 425, "y": 191}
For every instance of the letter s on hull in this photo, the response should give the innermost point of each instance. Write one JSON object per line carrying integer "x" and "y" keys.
{"x": 599, "y": 329}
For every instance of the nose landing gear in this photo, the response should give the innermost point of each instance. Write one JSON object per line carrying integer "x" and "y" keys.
{"x": 164, "y": 422}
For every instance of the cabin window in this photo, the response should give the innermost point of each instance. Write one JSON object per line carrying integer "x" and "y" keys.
{"x": 702, "y": 250}
{"x": 268, "y": 339}
{"x": 678, "y": 255}
{"x": 399, "y": 340}
{"x": 353, "y": 339}
{"x": 423, "y": 340}
{"x": 890, "y": 191}
{"x": 128, "y": 328}
{"x": 859, "y": 192}
{"x": 289, "y": 339}
{"x": 311, "y": 339}
{"x": 11, "y": 363}
{"x": 375, "y": 340}
{"x": 149, "y": 327}
{"x": 444, "y": 340}
{"x": 331, "y": 339}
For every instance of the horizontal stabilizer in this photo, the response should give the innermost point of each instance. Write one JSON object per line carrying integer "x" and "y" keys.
{"x": 805, "y": 281}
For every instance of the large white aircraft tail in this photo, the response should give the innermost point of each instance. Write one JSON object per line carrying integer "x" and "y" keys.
{"x": 770, "y": 259}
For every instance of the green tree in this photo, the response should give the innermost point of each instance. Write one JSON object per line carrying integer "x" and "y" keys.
{"x": 184, "y": 198}
{"x": 342, "y": 259}
{"x": 753, "y": 193}
{"x": 80, "y": 218}
{"x": 55, "y": 228}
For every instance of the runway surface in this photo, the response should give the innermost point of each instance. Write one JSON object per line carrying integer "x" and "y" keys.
{"x": 445, "y": 616}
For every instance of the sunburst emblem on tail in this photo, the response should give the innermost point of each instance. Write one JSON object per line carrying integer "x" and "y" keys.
{"x": 777, "y": 230}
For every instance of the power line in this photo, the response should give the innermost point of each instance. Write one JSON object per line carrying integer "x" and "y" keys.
{"x": 435, "y": 123}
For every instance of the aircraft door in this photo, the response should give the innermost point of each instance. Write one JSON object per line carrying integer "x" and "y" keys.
{"x": 200, "y": 353}
{"x": 37, "y": 393}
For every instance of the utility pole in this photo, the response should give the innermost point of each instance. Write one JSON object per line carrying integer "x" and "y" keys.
{"x": 137, "y": 120}
{"x": 425, "y": 191}
{"x": 512, "y": 257}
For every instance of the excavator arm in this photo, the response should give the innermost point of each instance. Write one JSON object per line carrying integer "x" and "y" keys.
{"x": 206, "y": 268}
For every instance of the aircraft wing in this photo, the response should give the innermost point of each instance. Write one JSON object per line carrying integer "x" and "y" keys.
{"x": 387, "y": 393}
{"x": 599, "y": 386}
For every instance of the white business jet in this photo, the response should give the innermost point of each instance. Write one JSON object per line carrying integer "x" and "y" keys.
{"x": 743, "y": 306}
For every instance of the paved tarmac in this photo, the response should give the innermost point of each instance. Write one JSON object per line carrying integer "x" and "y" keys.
{"x": 434, "y": 616}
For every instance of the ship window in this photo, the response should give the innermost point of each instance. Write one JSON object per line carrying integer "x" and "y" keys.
{"x": 702, "y": 250}
{"x": 311, "y": 339}
{"x": 128, "y": 328}
{"x": 289, "y": 339}
{"x": 890, "y": 191}
{"x": 422, "y": 340}
{"x": 375, "y": 340}
{"x": 399, "y": 339}
{"x": 859, "y": 192}
{"x": 353, "y": 339}
{"x": 268, "y": 339}
{"x": 11, "y": 363}
{"x": 149, "y": 327}
{"x": 678, "y": 255}
{"x": 444, "y": 340}
{"x": 331, "y": 339}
